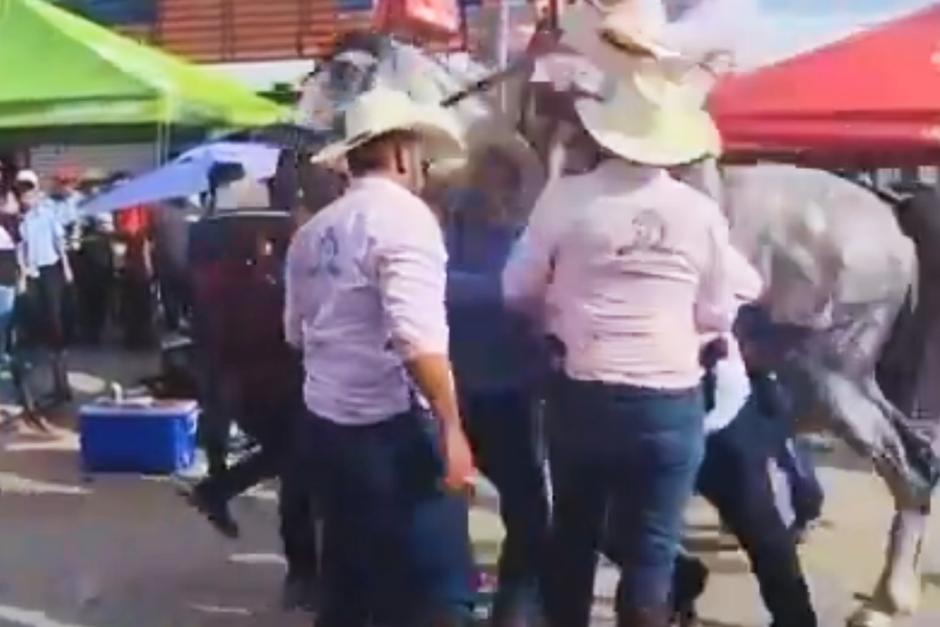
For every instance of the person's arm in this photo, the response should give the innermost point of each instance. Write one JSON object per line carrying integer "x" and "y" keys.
{"x": 432, "y": 374}
{"x": 715, "y": 306}
{"x": 748, "y": 283}
{"x": 23, "y": 273}
{"x": 293, "y": 322}
{"x": 61, "y": 247}
{"x": 529, "y": 269}
{"x": 67, "y": 269}
{"x": 410, "y": 265}
{"x": 22, "y": 257}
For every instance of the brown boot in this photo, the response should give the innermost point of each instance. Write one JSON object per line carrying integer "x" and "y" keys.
{"x": 644, "y": 617}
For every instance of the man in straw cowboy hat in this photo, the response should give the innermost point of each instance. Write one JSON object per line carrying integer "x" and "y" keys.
{"x": 633, "y": 267}
{"x": 626, "y": 41}
{"x": 365, "y": 302}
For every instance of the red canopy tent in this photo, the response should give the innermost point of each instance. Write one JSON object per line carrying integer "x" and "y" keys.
{"x": 872, "y": 99}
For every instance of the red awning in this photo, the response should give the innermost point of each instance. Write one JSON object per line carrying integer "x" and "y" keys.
{"x": 871, "y": 99}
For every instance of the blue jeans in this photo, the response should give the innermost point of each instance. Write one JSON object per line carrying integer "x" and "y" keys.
{"x": 396, "y": 550}
{"x": 636, "y": 451}
{"x": 7, "y": 300}
{"x": 501, "y": 427}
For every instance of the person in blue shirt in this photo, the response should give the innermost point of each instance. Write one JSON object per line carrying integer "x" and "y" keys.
{"x": 46, "y": 273}
{"x": 496, "y": 364}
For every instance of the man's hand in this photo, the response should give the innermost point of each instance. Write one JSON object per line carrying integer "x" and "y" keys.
{"x": 460, "y": 470}
{"x": 432, "y": 375}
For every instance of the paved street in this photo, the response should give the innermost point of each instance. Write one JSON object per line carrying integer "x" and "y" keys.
{"x": 105, "y": 551}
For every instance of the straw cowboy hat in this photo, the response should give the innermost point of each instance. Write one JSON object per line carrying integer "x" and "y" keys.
{"x": 649, "y": 119}
{"x": 617, "y": 36}
{"x": 382, "y": 110}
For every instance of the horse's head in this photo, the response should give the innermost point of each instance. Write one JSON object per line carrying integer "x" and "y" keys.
{"x": 364, "y": 60}
{"x": 348, "y": 72}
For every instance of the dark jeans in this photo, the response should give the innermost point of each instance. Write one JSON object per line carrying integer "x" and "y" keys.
{"x": 633, "y": 449}
{"x": 94, "y": 280}
{"x": 174, "y": 297}
{"x": 502, "y": 431}
{"x": 215, "y": 421}
{"x": 48, "y": 291}
{"x": 137, "y": 311}
{"x": 276, "y": 457}
{"x": 806, "y": 493}
{"x": 734, "y": 478}
{"x": 71, "y": 305}
{"x": 395, "y": 549}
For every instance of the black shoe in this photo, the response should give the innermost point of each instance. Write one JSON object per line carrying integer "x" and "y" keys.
{"x": 516, "y": 605}
{"x": 689, "y": 581}
{"x": 216, "y": 512}
{"x": 301, "y": 594}
{"x": 34, "y": 420}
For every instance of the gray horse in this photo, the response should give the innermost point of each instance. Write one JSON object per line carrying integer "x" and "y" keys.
{"x": 849, "y": 311}
{"x": 851, "y": 317}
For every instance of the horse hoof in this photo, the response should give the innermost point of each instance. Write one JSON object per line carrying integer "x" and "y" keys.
{"x": 904, "y": 595}
{"x": 870, "y": 617}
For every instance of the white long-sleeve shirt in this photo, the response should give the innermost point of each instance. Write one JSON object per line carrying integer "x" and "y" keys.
{"x": 366, "y": 282}
{"x": 629, "y": 267}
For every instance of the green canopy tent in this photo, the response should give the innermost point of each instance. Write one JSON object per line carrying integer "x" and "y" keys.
{"x": 63, "y": 75}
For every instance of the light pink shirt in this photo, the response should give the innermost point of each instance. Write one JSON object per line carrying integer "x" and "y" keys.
{"x": 365, "y": 286}
{"x": 630, "y": 268}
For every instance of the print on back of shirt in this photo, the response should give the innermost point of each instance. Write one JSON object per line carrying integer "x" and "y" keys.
{"x": 647, "y": 232}
{"x": 327, "y": 253}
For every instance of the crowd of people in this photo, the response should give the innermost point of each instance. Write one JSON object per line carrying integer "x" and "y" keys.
{"x": 65, "y": 276}
{"x": 608, "y": 335}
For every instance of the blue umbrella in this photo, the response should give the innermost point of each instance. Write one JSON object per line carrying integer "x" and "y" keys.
{"x": 186, "y": 175}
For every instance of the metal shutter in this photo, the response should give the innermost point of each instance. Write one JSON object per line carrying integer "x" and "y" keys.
{"x": 132, "y": 158}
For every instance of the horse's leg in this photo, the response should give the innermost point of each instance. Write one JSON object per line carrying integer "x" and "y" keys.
{"x": 898, "y": 590}
{"x": 847, "y": 408}
{"x": 862, "y": 422}
{"x": 844, "y": 373}
{"x": 840, "y": 388}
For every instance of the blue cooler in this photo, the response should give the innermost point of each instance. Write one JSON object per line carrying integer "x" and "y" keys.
{"x": 130, "y": 436}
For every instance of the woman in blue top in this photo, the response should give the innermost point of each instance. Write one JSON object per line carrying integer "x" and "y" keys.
{"x": 496, "y": 363}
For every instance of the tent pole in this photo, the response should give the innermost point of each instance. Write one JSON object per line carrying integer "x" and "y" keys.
{"x": 156, "y": 146}
{"x": 168, "y": 140}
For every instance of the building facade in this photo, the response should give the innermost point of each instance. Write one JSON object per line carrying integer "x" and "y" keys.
{"x": 226, "y": 31}
{"x": 219, "y": 31}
